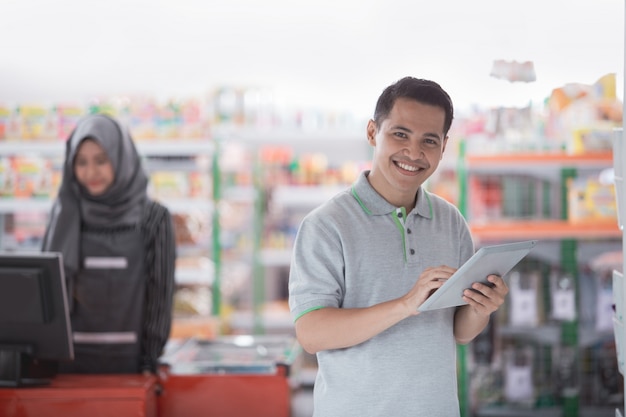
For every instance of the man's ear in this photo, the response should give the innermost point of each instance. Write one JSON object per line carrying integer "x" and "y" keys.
{"x": 371, "y": 132}
{"x": 445, "y": 142}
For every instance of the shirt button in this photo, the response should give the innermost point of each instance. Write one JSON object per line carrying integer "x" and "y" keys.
{"x": 400, "y": 215}
{"x": 412, "y": 251}
{"x": 408, "y": 231}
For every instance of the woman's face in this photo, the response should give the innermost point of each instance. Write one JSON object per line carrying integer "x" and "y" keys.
{"x": 92, "y": 168}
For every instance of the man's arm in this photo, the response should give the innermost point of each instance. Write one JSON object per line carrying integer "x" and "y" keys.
{"x": 336, "y": 328}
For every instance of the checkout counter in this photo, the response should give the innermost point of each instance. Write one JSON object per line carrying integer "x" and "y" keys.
{"x": 230, "y": 376}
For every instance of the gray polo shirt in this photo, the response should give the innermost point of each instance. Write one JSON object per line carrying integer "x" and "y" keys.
{"x": 358, "y": 250}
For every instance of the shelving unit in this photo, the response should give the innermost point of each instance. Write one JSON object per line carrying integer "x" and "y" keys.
{"x": 564, "y": 246}
{"x": 158, "y": 155}
{"x": 278, "y": 201}
{"x": 619, "y": 289}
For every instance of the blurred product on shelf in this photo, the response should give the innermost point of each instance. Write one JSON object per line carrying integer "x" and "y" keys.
{"x": 193, "y": 118}
{"x": 24, "y": 229}
{"x": 513, "y": 70}
{"x": 192, "y": 302}
{"x": 497, "y": 196}
{"x": 191, "y": 228}
{"x": 589, "y": 199}
{"x": 576, "y": 118}
{"x": 525, "y": 306}
{"x": 264, "y": 109}
{"x": 563, "y": 296}
{"x": 5, "y": 120}
{"x": 29, "y": 177}
{"x": 67, "y": 115}
{"x": 32, "y": 122}
{"x": 519, "y": 387}
{"x": 582, "y": 116}
{"x": 281, "y": 165}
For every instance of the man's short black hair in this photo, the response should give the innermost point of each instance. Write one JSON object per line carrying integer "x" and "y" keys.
{"x": 423, "y": 91}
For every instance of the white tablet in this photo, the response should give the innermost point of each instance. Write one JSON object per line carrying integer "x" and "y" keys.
{"x": 488, "y": 260}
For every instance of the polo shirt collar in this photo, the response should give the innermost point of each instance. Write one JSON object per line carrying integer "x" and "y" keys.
{"x": 373, "y": 203}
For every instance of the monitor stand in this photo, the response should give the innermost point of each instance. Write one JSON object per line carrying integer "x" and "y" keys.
{"x": 18, "y": 367}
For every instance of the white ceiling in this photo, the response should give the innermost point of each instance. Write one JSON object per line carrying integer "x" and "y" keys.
{"x": 334, "y": 53}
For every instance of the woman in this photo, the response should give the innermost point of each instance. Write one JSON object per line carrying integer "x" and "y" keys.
{"x": 118, "y": 248}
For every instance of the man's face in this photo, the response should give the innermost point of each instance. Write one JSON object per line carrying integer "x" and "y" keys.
{"x": 408, "y": 147}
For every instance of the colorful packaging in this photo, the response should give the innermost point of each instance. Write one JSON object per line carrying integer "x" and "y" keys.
{"x": 169, "y": 121}
{"x": 591, "y": 200}
{"x": 36, "y": 123}
{"x": 7, "y": 177}
{"x": 31, "y": 177}
{"x": 66, "y": 118}
{"x": 5, "y": 120}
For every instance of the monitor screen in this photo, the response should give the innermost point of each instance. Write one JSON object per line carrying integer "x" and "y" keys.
{"x": 35, "y": 330}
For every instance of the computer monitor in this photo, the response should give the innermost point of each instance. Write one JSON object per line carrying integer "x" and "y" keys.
{"x": 35, "y": 329}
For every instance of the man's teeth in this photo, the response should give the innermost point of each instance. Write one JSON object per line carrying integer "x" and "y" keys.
{"x": 407, "y": 167}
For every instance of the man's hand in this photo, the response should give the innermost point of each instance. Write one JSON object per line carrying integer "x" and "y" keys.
{"x": 486, "y": 298}
{"x": 429, "y": 281}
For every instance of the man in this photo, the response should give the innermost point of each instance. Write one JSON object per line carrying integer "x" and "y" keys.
{"x": 368, "y": 258}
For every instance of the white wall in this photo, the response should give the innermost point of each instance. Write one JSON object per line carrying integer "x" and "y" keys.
{"x": 335, "y": 53}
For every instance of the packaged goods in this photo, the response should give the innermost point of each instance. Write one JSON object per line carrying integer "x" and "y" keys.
{"x": 66, "y": 118}
{"x": 591, "y": 200}
{"x": 5, "y": 119}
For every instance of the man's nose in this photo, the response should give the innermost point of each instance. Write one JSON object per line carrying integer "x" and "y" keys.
{"x": 415, "y": 151}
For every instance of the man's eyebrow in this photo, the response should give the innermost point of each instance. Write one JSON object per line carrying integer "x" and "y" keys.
{"x": 400, "y": 127}
{"x": 433, "y": 135}
{"x": 407, "y": 130}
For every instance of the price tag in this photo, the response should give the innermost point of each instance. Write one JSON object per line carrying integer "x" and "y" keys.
{"x": 564, "y": 304}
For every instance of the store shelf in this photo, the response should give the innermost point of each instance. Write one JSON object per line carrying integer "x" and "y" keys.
{"x": 520, "y": 412}
{"x": 550, "y": 334}
{"x": 240, "y": 194}
{"x": 26, "y": 147}
{"x": 542, "y": 412}
{"x": 543, "y": 160}
{"x": 304, "y": 196}
{"x": 173, "y": 155}
{"x": 275, "y": 257}
{"x": 286, "y": 135}
{"x": 12, "y": 205}
{"x": 174, "y": 147}
{"x": 191, "y": 276}
{"x": 522, "y": 196}
{"x": 544, "y": 229}
{"x": 188, "y": 205}
{"x": 272, "y": 322}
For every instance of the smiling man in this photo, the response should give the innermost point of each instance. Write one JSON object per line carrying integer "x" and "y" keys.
{"x": 367, "y": 259}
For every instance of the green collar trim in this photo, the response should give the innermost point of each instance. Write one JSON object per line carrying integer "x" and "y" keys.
{"x": 356, "y": 196}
